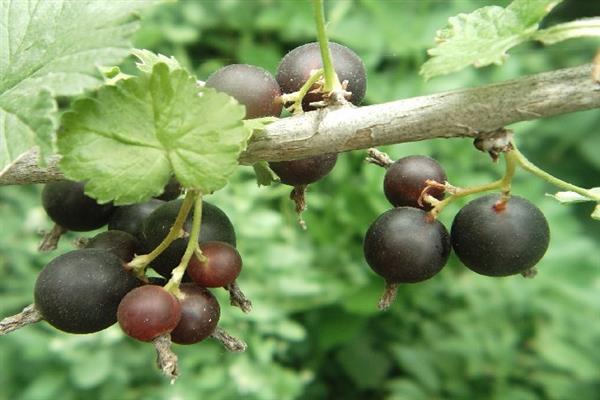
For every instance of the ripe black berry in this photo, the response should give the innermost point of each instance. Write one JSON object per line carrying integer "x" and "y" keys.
{"x": 296, "y": 66}
{"x": 304, "y": 171}
{"x": 79, "y": 291}
{"x": 148, "y": 312}
{"x": 405, "y": 180}
{"x": 121, "y": 244}
{"x": 222, "y": 266}
{"x": 171, "y": 191}
{"x": 404, "y": 245}
{"x": 497, "y": 239}
{"x": 131, "y": 218}
{"x": 252, "y": 86}
{"x": 68, "y": 206}
{"x": 200, "y": 313}
{"x": 215, "y": 227}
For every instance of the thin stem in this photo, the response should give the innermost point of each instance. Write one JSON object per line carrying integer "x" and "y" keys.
{"x": 332, "y": 81}
{"x": 460, "y": 192}
{"x": 139, "y": 263}
{"x": 535, "y": 170}
{"x": 502, "y": 184}
{"x": 191, "y": 248}
{"x": 314, "y": 77}
{"x": 511, "y": 166}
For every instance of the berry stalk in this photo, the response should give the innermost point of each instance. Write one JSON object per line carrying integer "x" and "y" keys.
{"x": 139, "y": 263}
{"x": 456, "y": 192}
{"x": 540, "y": 173}
{"x": 191, "y": 248}
{"x": 298, "y": 96}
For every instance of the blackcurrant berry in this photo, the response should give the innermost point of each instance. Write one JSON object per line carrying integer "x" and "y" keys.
{"x": 222, "y": 266}
{"x": 121, "y": 244}
{"x": 171, "y": 191}
{"x": 148, "y": 312}
{"x": 68, "y": 206}
{"x": 215, "y": 227}
{"x": 200, "y": 313}
{"x": 405, "y": 245}
{"x": 405, "y": 180}
{"x": 296, "y": 66}
{"x": 79, "y": 291}
{"x": 304, "y": 171}
{"x": 131, "y": 218}
{"x": 499, "y": 239}
{"x": 252, "y": 86}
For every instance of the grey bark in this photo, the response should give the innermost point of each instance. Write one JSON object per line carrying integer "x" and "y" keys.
{"x": 462, "y": 113}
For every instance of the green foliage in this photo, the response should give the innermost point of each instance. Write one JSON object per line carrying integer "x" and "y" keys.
{"x": 264, "y": 175}
{"x": 130, "y": 139}
{"x": 315, "y": 332}
{"x": 484, "y": 36}
{"x": 49, "y": 49}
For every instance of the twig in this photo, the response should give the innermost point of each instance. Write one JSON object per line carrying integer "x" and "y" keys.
{"x": 443, "y": 115}
{"x": 28, "y": 316}
{"x": 237, "y": 298}
{"x": 165, "y": 358}
{"x": 229, "y": 342}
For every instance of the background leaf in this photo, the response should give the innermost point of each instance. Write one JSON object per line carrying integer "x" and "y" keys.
{"x": 484, "y": 36}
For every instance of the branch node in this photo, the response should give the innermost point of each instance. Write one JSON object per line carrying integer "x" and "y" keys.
{"x": 494, "y": 143}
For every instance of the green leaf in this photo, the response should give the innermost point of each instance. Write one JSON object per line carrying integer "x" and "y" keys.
{"x": 259, "y": 124}
{"x": 569, "y": 30}
{"x": 53, "y": 47}
{"x": 113, "y": 74}
{"x": 128, "y": 140}
{"x": 25, "y": 122}
{"x": 572, "y": 197}
{"x": 484, "y": 36}
{"x": 264, "y": 175}
{"x": 149, "y": 59}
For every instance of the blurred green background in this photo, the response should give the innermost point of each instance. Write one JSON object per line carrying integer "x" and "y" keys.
{"x": 315, "y": 332}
